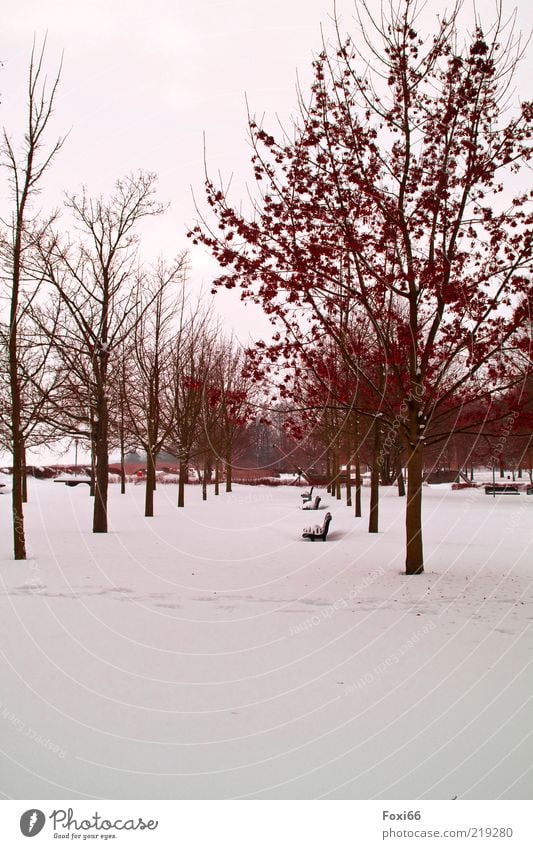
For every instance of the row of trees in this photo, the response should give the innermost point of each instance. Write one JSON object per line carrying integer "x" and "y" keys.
{"x": 97, "y": 346}
{"x": 387, "y": 244}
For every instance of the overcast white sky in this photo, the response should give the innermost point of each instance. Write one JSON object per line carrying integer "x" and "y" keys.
{"x": 144, "y": 79}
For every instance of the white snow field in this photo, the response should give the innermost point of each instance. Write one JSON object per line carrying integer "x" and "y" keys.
{"x": 211, "y": 653}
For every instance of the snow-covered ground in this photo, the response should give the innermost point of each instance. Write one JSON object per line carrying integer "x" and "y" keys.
{"x": 211, "y": 652}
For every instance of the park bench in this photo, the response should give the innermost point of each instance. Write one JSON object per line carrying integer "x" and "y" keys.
{"x": 72, "y": 481}
{"x": 318, "y": 532}
{"x": 307, "y": 495}
{"x": 312, "y": 505}
{"x": 529, "y": 490}
{"x": 502, "y": 489}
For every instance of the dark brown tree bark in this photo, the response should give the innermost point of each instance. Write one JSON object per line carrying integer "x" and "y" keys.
{"x": 229, "y": 475}
{"x": 150, "y": 485}
{"x": 414, "y": 560}
{"x": 182, "y": 480}
{"x": 373, "y": 520}
{"x": 102, "y": 467}
{"x": 401, "y": 484}
{"x": 358, "y": 511}
{"x": 348, "y": 482}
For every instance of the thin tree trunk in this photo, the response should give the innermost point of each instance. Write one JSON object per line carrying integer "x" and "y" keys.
{"x": 414, "y": 561}
{"x": 205, "y": 473}
{"x": 19, "y": 541}
{"x": 102, "y": 470}
{"x": 154, "y": 484}
{"x": 217, "y": 477}
{"x": 92, "y": 487}
{"x": 24, "y": 473}
{"x": 348, "y": 483}
{"x": 122, "y": 477}
{"x": 358, "y": 512}
{"x": 122, "y": 466}
{"x": 401, "y": 484}
{"x": 229, "y": 473}
{"x": 373, "y": 519}
{"x": 183, "y": 474}
{"x": 149, "y": 485}
{"x": 338, "y": 491}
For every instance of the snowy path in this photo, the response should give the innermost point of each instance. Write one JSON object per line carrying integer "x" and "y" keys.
{"x": 211, "y": 653}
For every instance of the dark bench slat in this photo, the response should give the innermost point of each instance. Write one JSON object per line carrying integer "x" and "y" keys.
{"x": 502, "y": 489}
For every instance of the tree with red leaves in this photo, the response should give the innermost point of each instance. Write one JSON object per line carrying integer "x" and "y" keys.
{"x": 395, "y": 199}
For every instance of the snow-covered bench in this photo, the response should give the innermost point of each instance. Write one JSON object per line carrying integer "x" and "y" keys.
{"x": 72, "y": 481}
{"x": 312, "y": 505}
{"x": 307, "y": 495}
{"x": 502, "y": 489}
{"x": 318, "y": 531}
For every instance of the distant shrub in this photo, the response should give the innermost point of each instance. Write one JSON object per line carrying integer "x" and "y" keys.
{"x": 260, "y": 482}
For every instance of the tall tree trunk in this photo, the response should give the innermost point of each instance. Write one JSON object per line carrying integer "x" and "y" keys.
{"x": 19, "y": 540}
{"x": 358, "y": 512}
{"x": 348, "y": 482}
{"x": 102, "y": 468}
{"x": 414, "y": 561}
{"x": 183, "y": 475}
{"x": 92, "y": 486}
{"x": 338, "y": 492}
{"x": 149, "y": 485}
{"x": 373, "y": 519}
{"x": 122, "y": 466}
{"x": 24, "y": 474}
{"x": 204, "y": 483}
{"x": 229, "y": 474}
{"x": 401, "y": 484}
{"x": 217, "y": 477}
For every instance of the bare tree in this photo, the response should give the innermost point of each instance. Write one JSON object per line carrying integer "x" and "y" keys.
{"x": 147, "y": 371}
{"x": 96, "y": 279}
{"x": 193, "y": 359}
{"x": 25, "y": 172}
{"x": 232, "y": 392}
